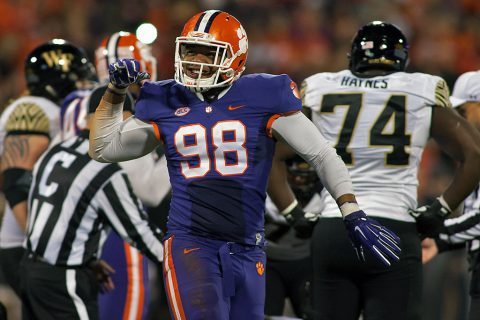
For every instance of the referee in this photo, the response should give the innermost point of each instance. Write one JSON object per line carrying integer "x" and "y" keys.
{"x": 73, "y": 202}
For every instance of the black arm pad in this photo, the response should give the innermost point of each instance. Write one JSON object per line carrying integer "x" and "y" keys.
{"x": 16, "y": 185}
{"x": 446, "y": 246}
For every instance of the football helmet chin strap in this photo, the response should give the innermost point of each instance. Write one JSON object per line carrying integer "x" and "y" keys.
{"x": 223, "y": 75}
{"x": 200, "y": 84}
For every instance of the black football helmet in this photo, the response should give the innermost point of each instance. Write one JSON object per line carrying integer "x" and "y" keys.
{"x": 378, "y": 45}
{"x": 53, "y": 68}
{"x": 303, "y": 179}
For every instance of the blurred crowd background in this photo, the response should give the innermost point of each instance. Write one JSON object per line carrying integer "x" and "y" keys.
{"x": 297, "y": 37}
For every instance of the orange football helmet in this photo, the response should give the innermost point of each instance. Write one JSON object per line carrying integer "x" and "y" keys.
{"x": 124, "y": 45}
{"x": 221, "y": 32}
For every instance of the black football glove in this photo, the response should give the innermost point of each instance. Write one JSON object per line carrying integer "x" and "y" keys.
{"x": 303, "y": 222}
{"x": 430, "y": 218}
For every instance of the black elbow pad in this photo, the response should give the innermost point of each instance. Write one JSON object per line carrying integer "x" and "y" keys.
{"x": 16, "y": 185}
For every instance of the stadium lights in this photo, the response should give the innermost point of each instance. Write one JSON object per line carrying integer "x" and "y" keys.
{"x": 147, "y": 33}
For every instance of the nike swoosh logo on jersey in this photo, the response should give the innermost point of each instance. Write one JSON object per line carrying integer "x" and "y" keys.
{"x": 187, "y": 251}
{"x": 235, "y": 107}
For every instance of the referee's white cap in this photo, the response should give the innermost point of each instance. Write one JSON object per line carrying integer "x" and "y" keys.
{"x": 466, "y": 88}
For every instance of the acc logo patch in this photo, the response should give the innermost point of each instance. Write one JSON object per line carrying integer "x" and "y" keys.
{"x": 294, "y": 88}
{"x": 260, "y": 268}
{"x": 182, "y": 111}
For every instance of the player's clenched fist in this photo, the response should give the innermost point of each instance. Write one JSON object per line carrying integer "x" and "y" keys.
{"x": 430, "y": 218}
{"x": 125, "y": 72}
{"x": 303, "y": 222}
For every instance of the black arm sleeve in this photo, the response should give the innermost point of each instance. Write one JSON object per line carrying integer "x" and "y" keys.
{"x": 443, "y": 245}
{"x": 16, "y": 185}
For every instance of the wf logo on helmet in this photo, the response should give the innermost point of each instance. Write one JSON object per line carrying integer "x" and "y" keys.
{"x": 59, "y": 58}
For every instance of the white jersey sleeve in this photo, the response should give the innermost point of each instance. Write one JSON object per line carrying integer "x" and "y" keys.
{"x": 30, "y": 115}
{"x": 149, "y": 178}
{"x": 26, "y": 115}
{"x": 379, "y": 127}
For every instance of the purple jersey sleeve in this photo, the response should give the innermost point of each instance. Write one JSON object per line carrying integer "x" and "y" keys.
{"x": 274, "y": 94}
{"x": 142, "y": 111}
{"x": 153, "y": 100}
{"x": 290, "y": 100}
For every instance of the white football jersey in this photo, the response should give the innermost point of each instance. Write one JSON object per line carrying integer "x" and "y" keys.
{"x": 26, "y": 114}
{"x": 379, "y": 126}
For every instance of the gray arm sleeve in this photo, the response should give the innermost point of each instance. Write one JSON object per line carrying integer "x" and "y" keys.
{"x": 303, "y": 137}
{"x": 149, "y": 178}
{"x": 114, "y": 140}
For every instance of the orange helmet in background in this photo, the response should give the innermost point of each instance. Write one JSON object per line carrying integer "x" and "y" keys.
{"x": 223, "y": 32}
{"x": 124, "y": 45}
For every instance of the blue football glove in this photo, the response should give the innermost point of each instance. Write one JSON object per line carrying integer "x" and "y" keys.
{"x": 125, "y": 72}
{"x": 366, "y": 232}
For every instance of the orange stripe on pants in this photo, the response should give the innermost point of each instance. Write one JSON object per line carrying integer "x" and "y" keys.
{"x": 126, "y": 310}
{"x": 171, "y": 283}
{"x": 141, "y": 288}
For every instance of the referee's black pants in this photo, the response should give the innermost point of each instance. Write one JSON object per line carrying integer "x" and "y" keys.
{"x": 474, "y": 309}
{"x": 51, "y": 292}
{"x": 344, "y": 287}
{"x": 288, "y": 279}
{"x": 10, "y": 263}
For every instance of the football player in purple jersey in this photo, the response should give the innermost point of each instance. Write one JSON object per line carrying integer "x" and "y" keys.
{"x": 219, "y": 129}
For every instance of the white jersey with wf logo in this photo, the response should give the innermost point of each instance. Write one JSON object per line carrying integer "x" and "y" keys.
{"x": 379, "y": 126}
{"x": 26, "y": 115}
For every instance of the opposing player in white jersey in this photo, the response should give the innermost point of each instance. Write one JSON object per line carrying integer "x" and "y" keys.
{"x": 379, "y": 119}
{"x": 455, "y": 233}
{"x": 27, "y": 125}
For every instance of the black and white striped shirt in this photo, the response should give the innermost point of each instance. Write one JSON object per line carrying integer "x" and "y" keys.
{"x": 465, "y": 228}
{"x": 74, "y": 201}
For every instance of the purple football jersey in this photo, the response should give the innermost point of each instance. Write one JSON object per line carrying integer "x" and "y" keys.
{"x": 73, "y": 113}
{"x": 219, "y": 154}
